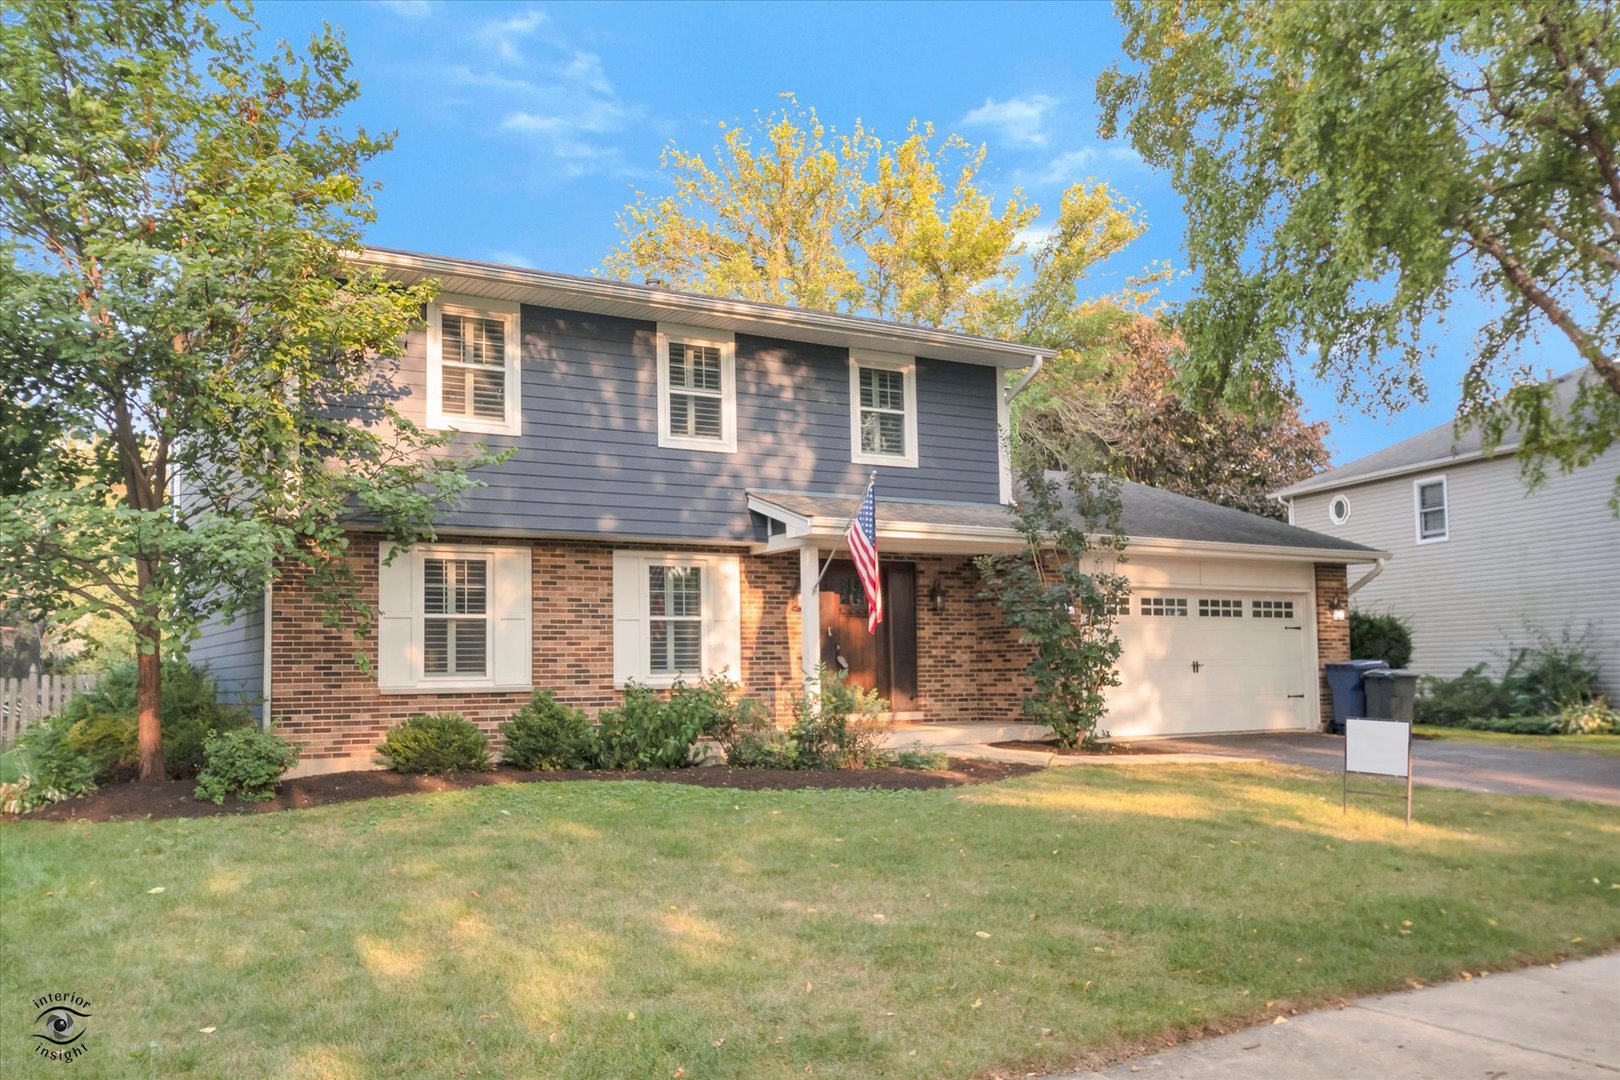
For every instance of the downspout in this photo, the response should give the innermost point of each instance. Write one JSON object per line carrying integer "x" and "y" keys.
{"x": 1029, "y": 377}
{"x": 1378, "y": 568}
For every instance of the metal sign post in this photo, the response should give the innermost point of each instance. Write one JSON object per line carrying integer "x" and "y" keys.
{"x": 1377, "y": 748}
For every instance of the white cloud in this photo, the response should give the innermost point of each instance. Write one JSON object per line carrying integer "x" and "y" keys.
{"x": 504, "y": 37}
{"x": 409, "y": 9}
{"x": 1033, "y": 236}
{"x": 1064, "y": 169}
{"x": 1019, "y": 120}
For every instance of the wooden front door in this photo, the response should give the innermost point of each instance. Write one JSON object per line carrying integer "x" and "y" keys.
{"x": 887, "y": 660}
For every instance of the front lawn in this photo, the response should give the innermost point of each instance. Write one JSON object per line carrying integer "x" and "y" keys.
{"x": 658, "y": 930}
{"x": 1605, "y": 745}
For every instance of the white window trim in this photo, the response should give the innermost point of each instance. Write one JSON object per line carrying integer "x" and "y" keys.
{"x": 1417, "y": 508}
{"x": 892, "y": 362}
{"x": 401, "y": 619}
{"x": 722, "y": 620}
{"x": 1334, "y": 501}
{"x": 510, "y": 313}
{"x": 726, "y": 342}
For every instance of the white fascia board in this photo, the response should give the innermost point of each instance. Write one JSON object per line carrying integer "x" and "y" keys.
{"x": 1218, "y": 550}
{"x": 1310, "y": 487}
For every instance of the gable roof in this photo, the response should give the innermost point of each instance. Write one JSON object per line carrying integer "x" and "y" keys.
{"x": 648, "y": 303}
{"x": 1148, "y": 516}
{"x": 1439, "y": 446}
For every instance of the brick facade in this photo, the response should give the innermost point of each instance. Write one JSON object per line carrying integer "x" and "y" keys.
{"x": 969, "y": 665}
{"x": 1332, "y": 635}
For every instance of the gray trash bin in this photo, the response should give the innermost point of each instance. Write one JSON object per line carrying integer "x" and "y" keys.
{"x": 1349, "y": 695}
{"x": 1391, "y": 693}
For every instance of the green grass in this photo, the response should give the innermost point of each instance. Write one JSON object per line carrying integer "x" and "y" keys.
{"x": 633, "y": 929}
{"x": 1605, "y": 745}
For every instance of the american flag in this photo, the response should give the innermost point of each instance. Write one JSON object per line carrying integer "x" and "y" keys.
{"x": 862, "y": 539}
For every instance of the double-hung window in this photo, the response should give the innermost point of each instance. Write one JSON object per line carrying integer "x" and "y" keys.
{"x": 676, "y": 615}
{"x": 474, "y": 377}
{"x": 883, "y": 409}
{"x": 455, "y": 616}
{"x": 1433, "y": 521}
{"x": 697, "y": 389}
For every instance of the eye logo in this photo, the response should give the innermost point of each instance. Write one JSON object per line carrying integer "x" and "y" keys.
{"x": 60, "y": 1026}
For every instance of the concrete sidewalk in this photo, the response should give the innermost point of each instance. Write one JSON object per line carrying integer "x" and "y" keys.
{"x": 1549, "y": 1021}
{"x": 974, "y": 739}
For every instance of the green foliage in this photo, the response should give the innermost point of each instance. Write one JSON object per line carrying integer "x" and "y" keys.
{"x": 1380, "y": 637}
{"x": 546, "y": 734}
{"x": 1061, "y": 600}
{"x": 918, "y": 756}
{"x": 650, "y": 731}
{"x": 1538, "y": 684}
{"x": 177, "y": 297}
{"x": 103, "y": 720}
{"x": 1587, "y": 718}
{"x": 1351, "y": 169}
{"x": 837, "y": 729}
{"x": 435, "y": 743}
{"x": 246, "y": 762}
{"x": 49, "y": 770}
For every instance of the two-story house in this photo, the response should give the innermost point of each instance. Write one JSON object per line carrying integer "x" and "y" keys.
{"x": 683, "y": 466}
{"x": 1480, "y": 564}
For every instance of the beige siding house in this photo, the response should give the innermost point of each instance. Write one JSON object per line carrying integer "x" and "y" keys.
{"x": 1477, "y": 564}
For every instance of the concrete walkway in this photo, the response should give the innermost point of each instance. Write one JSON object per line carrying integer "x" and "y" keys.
{"x": 1469, "y": 766}
{"x": 974, "y": 740}
{"x": 1559, "y": 1021}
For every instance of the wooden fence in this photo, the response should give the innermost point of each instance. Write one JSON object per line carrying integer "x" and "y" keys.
{"x": 34, "y": 697}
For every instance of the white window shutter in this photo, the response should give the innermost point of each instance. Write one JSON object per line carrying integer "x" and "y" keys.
{"x": 399, "y": 660}
{"x": 629, "y": 622}
{"x": 723, "y": 620}
{"x": 513, "y": 612}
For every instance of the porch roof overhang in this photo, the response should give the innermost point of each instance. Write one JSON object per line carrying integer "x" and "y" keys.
{"x": 913, "y": 527}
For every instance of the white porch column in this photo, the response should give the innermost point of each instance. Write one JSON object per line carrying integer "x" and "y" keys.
{"x": 810, "y": 620}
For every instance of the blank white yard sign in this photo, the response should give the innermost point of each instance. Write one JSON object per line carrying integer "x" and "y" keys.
{"x": 1380, "y": 747}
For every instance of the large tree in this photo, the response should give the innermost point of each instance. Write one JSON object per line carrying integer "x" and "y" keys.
{"x": 791, "y": 212}
{"x": 1121, "y": 404}
{"x": 176, "y": 304}
{"x": 1350, "y": 168}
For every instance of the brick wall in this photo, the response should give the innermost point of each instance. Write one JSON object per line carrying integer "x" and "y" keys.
{"x": 969, "y": 666}
{"x": 1332, "y": 635}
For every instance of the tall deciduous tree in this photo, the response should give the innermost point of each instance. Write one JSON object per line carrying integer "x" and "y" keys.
{"x": 791, "y": 212}
{"x": 175, "y": 212}
{"x": 1350, "y": 168}
{"x": 1120, "y": 402}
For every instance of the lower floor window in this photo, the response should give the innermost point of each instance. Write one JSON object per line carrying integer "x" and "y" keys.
{"x": 676, "y": 615}
{"x": 455, "y": 616}
{"x": 675, "y": 619}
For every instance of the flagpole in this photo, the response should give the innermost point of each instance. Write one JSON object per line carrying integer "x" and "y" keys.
{"x": 870, "y": 480}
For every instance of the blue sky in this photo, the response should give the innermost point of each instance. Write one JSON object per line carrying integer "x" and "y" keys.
{"x": 524, "y": 129}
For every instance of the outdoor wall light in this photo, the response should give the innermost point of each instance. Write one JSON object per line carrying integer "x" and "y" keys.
{"x": 1339, "y": 612}
{"x": 936, "y": 596}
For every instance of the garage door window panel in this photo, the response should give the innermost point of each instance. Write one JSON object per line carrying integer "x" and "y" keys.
{"x": 1167, "y": 606}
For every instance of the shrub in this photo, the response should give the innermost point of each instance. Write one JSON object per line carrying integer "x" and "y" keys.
{"x": 1587, "y": 718}
{"x": 841, "y": 734}
{"x": 1380, "y": 637}
{"x": 650, "y": 731}
{"x": 1473, "y": 695}
{"x": 108, "y": 741}
{"x": 918, "y": 756}
{"x": 1549, "y": 675}
{"x": 546, "y": 734}
{"x": 436, "y": 743}
{"x": 244, "y": 762}
{"x": 191, "y": 709}
{"x": 49, "y": 770}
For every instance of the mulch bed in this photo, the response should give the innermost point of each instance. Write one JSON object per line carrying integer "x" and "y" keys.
{"x": 172, "y": 799}
{"x": 1107, "y": 750}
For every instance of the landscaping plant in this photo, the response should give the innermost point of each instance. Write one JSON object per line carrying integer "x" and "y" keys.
{"x": 1380, "y": 637}
{"x": 650, "y": 731}
{"x": 436, "y": 743}
{"x": 918, "y": 756}
{"x": 546, "y": 734}
{"x": 1538, "y": 683}
{"x": 1061, "y": 599}
{"x": 836, "y": 729}
{"x": 247, "y": 763}
{"x": 103, "y": 721}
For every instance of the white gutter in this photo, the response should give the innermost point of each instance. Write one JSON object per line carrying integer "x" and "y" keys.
{"x": 1378, "y": 568}
{"x": 1313, "y": 487}
{"x": 1029, "y": 376}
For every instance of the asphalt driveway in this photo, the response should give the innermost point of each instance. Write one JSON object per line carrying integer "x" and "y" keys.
{"x": 1468, "y": 766}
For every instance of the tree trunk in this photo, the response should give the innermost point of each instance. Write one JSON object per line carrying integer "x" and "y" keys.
{"x": 149, "y": 683}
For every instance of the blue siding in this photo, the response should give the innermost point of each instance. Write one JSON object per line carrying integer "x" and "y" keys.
{"x": 233, "y": 652}
{"x": 589, "y": 462}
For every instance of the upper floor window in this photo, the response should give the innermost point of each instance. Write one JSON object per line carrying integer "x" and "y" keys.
{"x": 473, "y": 376}
{"x": 883, "y": 409}
{"x": 1433, "y": 515}
{"x": 1339, "y": 510}
{"x": 697, "y": 389}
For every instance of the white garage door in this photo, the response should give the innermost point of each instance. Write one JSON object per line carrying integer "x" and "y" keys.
{"x": 1207, "y": 661}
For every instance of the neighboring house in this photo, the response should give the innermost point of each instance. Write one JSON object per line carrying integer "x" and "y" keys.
{"x": 1479, "y": 564}
{"x": 683, "y": 465}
